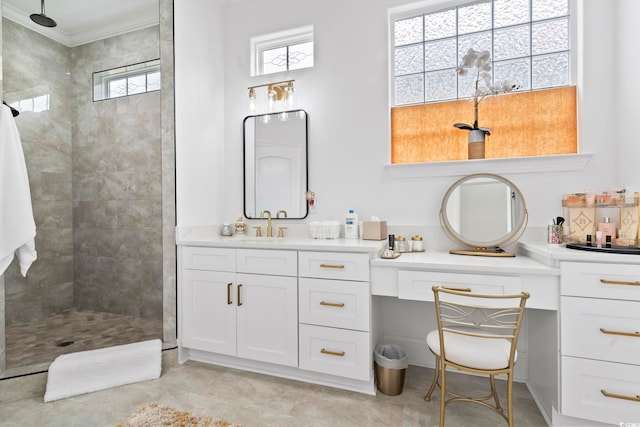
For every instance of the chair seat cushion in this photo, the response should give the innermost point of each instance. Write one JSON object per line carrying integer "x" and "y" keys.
{"x": 472, "y": 352}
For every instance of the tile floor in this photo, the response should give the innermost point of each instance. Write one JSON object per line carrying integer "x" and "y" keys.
{"x": 254, "y": 400}
{"x": 32, "y": 346}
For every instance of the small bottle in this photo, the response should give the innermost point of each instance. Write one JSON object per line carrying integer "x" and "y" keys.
{"x": 351, "y": 225}
{"x": 226, "y": 229}
{"x": 401, "y": 244}
{"x": 240, "y": 226}
{"x": 608, "y": 228}
{"x": 416, "y": 244}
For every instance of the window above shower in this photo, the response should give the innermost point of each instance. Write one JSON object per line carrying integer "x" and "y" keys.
{"x": 125, "y": 81}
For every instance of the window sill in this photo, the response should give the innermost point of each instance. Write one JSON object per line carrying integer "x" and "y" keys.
{"x": 538, "y": 164}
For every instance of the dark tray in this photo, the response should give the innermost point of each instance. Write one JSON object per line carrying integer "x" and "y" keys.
{"x": 631, "y": 250}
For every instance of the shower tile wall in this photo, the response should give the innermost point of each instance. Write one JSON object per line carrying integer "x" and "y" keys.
{"x": 36, "y": 67}
{"x": 95, "y": 176}
{"x": 117, "y": 185}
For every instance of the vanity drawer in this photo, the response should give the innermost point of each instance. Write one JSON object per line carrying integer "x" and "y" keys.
{"x": 584, "y": 383}
{"x": 214, "y": 259}
{"x": 615, "y": 281}
{"x": 335, "y": 351}
{"x": 583, "y": 321}
{"x": 337, "y": 303}
{"x": 332, "y": 265}
{"x": 416, "y": 285}
{"x": 261, "y": 261}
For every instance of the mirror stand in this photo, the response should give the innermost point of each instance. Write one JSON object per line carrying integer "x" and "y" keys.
{"x": 497, "y": 252}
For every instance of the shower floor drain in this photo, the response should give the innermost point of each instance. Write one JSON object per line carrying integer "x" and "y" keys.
{"x": 64, "y": 343}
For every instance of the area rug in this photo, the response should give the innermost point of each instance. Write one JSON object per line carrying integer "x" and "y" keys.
{"x": 156, "y": 415}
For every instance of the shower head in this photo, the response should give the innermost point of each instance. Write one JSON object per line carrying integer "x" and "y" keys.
{"x": 42, "y": 19}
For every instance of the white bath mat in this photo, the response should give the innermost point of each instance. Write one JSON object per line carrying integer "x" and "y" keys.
{"x": 87, "y": 371}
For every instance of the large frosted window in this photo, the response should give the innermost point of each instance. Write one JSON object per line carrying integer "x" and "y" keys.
{"x": 529, "y": 43}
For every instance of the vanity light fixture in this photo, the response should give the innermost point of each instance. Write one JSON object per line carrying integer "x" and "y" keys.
{"x": 278, "y": 91}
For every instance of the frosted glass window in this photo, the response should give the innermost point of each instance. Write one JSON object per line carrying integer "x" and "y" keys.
{"x": 510, "y": 12}
{"x": 550, "y": 36}
{"x": 409, "y": 89}
{"x": 408, "y": 31}
{"x": 440, "y": 25}
{"x": 529, "y": 42}
{"x": 550, "y": 71}
{"x": 473, "y": 18}
{"x": 124, "y": 81}
{"x": 440, "y": 54}
{"x": 512, "y": 42}
{"x": 545, "y": 9}
{"x": 409, "y": 60}
{"x": 439, "y": 86}
{"x": 283, "y": 51}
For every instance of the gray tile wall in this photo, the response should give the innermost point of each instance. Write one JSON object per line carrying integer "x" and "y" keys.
{"x": 96, "y": 179}
{"x": 36, "y": 66}
{"x": 117, "y": 184}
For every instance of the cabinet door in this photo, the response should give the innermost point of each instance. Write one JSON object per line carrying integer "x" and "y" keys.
{"x": 267, "y": 315}
{"x": 208, "y": 311}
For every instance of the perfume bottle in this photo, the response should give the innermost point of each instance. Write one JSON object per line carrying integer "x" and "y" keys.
{"x": 608, "y": 228}
{"x": 240, "y": 226}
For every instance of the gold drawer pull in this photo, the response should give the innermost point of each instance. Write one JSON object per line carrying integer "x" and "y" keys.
{"x": 619, "y": 282}
{"x": 635, "y": 398}
{"x": 331, "y": 266}
{"x": 457, "y": 289}
{"x": 229, "y": 302}
{"x": 626, "y": 334}
{"x": 332, "y": 353}
{"x": 332, "y": 304}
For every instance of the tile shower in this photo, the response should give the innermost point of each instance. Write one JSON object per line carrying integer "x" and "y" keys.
{"x": 96, "y": 176}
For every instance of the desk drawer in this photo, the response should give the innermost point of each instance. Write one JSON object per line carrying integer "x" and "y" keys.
{"x": 332, "y": 265}
{"x": 416, "y": 285}
{"x": 583, "y": 383}
{"x": 260, "y": 261}
{"x": 615, "y": 281}
{"x": 337, "y": 303}
{"x": 596, "y": 328}
{"x": 214, "y": 259}
{"x": 335, "y": 351}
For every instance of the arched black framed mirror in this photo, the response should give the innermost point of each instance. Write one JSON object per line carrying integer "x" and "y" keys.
{"x": 483, "y": 211}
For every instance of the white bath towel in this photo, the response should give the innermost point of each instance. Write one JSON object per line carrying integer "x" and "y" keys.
{"x": 88, "y": 371}
{"x": 17, "y": 227}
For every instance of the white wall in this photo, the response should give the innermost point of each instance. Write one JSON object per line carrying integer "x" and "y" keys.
{"x": 346, "y": 96}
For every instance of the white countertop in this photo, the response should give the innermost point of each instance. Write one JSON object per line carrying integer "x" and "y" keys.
{"x": 551, "y": 255}
{"x": 444, "y": 261}
{"x": 210, "y": 236}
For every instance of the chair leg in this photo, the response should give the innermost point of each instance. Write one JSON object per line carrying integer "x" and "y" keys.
{"x": 494, "y": 392}
{"x": 436, "y": 377}
{"x": 443, "y": 392}
{"x": 510, "y": 399}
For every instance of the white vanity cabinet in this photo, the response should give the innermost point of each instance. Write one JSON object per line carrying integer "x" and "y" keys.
{"x": 600, "y": 341}
{"x": 335, "y": 307}
{"x": 240, "y": 302}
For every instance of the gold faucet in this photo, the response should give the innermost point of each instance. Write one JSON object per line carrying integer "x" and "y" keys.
{"x": 283, "y": 212}
{"x": 269, "y": 228}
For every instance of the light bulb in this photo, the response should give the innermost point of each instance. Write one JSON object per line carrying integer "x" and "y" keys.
{"x": 271, "y": 99}
{"x": 284, "y": 116}
{"x": 252, "y": 100}
{"x": 266, "y": 119}
{"x": 290, "y": 98}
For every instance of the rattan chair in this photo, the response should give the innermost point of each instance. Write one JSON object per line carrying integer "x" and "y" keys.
{"x": 477, "y": 334}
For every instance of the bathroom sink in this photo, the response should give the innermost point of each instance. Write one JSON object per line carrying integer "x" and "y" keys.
{"x": 254, "y": 239}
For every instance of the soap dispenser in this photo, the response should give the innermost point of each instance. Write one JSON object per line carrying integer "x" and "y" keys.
{"x": 608, "y": 228}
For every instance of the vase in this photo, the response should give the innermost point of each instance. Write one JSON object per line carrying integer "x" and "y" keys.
{"x": 476, "y": 140}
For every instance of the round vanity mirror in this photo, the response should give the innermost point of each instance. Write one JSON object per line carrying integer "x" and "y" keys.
{"x": 483, "y": 211}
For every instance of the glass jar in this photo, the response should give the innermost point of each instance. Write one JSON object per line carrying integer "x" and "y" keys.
{"x": 401, "y": 244}
{"x": 416, "y": 244}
